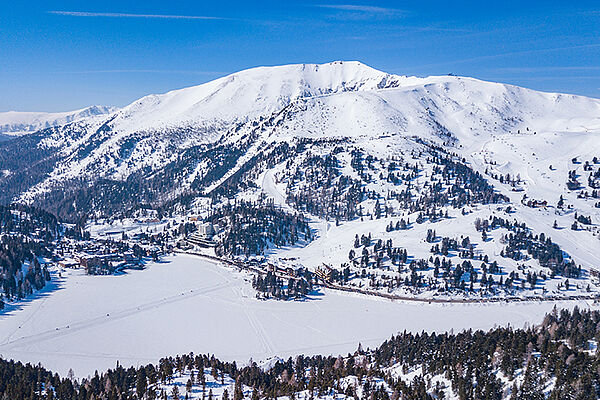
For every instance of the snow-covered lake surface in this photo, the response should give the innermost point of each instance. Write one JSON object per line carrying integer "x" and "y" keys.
{"x": 187, "y": 304}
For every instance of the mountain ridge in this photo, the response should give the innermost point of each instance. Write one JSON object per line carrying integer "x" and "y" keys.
{"x": 312, "y": 163}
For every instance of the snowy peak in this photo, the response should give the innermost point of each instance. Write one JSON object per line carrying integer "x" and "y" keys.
{"x": 309, "y": 80}
{"x": 248, "y": 94}
{"x": 93, "y": 111}
{"x": 212, "y": 108}
{"x": 17, "y": 123}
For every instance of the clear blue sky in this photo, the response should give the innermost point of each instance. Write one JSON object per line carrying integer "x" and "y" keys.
{"x": 62, "y": 55}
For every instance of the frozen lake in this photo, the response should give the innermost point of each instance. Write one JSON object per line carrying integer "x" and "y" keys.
{"x": 187, "y": 304}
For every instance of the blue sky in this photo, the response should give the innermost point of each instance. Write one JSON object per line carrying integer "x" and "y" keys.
{"x": 62, "y": 55}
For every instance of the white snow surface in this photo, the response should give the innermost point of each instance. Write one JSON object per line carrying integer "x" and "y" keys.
{"x": 248, "y": 94}
{"x": 189, "y": 304}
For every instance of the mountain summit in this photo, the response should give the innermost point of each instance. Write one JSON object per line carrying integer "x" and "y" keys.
{"x": 248, "y": 94}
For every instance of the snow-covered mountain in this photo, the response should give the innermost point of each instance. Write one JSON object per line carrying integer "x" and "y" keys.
{"x": 335, "y": 99}
{"x": 246, "y": 95}
{"x": 14, "y": 123}
{"x": 236, "y": 117}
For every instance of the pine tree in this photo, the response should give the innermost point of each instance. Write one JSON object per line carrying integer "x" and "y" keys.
{"x": 238, "y": 393}
{"x": 175, "y": 393}
{"x": 141, "y": 383}
{"x": 532, "y": 385}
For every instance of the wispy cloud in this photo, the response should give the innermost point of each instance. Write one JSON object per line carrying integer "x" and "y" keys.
{"x": 360, "y": 11}
{"x": 555, "y": 78}
{"x": 127, "y": 15}
{"x": 590, "y": 12}
{"x": 142, "y": 71}
{"x": 548, "y": 68}
{"x": 360, "y": 8}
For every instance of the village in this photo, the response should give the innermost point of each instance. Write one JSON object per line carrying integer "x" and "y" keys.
{"x": 111, "y": 253}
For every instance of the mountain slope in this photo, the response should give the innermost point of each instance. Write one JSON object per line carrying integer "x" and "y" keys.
{"x": 192, "y": 140}
{"x": 247, "y": 95}
{"x": 462, "y": 107}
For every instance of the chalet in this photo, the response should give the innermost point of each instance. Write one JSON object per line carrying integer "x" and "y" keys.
{"x": 68, "y": 263}
{"x": 324, "y": 272}
{"x": 285, "y": 270}
{"x": 90, "y": 261}
{"x": 536, "y": 203}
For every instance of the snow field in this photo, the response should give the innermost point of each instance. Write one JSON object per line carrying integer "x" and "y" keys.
{"x": 188, "y": 304}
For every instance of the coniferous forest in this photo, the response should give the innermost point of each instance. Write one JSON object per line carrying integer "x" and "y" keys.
{"x": 26, "y": 234}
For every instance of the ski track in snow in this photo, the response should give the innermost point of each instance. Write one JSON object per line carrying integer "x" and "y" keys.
{"x": 256, "y": 325}
{"x": 95, "y": 322}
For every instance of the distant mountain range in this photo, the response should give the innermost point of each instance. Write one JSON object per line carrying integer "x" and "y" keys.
{"x": 16, "y": 123}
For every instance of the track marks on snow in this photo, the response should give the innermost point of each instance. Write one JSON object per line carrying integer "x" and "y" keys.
{"x": 110, "y": 317}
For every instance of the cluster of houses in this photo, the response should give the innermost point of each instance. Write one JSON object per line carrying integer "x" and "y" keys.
{"x": 111, "y": 262}
{"x": 286, "y": 270}
{"x": 536, "y": 203}
{"x": 98, "y": 258}
{"x": 533, "y": 203}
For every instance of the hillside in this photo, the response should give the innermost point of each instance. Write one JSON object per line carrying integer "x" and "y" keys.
{"x": 232, "y": 116}
{"x": 26, "y": 239}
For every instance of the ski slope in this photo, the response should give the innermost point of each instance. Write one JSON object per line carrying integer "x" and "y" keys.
{"x": 187, "y": 304}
